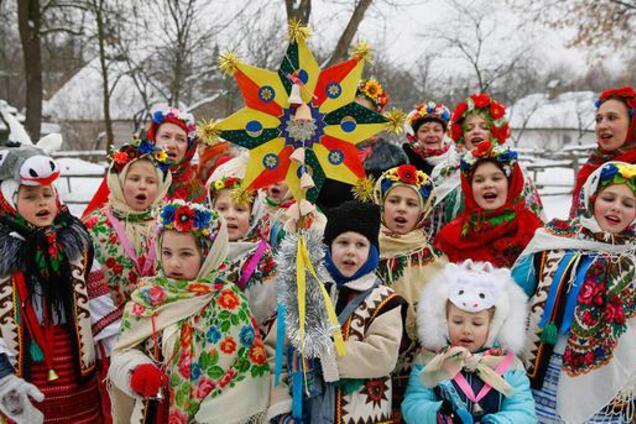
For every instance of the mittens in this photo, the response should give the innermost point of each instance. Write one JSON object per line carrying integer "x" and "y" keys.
{"x": 147, "y": 380}
{"x": 15, "y": 402}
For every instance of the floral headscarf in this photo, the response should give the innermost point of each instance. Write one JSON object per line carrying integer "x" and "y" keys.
{"x": 406, "y": 176}
{"x": 496, "y": 236}
{"x": 492, "y": 111}
{"x": 205, "y": 224}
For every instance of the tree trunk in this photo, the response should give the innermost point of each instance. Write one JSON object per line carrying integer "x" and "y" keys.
{"x": 340, "y": 53}
{"x": 29, "y": 23}
{"x": 98, "y": 9}
{"x": 299, "y": 9}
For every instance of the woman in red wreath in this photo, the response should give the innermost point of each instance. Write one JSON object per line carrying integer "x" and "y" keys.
{"x": 496, "y": 225}
{"x": 615, "y": 137}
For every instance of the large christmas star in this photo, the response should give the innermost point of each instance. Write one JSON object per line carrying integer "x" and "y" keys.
{"x": 269, "y": 128}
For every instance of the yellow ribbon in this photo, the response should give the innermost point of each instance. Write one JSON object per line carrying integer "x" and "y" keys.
{"x": 303, "y": 261}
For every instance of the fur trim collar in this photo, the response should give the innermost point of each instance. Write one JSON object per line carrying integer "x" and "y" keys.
{"x": 74, "y": 239}
{"x": 507, "y": 328}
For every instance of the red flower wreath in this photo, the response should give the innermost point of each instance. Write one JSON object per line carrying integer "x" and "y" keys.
{"x": 407, "y": 174}
{"x": 184, "y": 218}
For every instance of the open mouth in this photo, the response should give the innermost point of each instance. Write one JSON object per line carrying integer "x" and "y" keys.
{"x": 141, "y": 197}
{"x": 466, "y": 341}
{"x": 400, "y": 220}
{"x": 43, "y": 213}
{"x": 232, "y": 226}
{"x": 606, "y": 136}
{"x": 489, "y": 196}
{"x": 172, "y": 156}
{"x": 612, "y": 219}
{"x": 274, "y": 191}
{"x": 348, "y": 263}
{"x": 476, "y": 139}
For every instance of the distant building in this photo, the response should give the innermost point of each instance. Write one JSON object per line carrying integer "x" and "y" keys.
{"x": 79, "y": 109}
{"x": 548, "y": 122}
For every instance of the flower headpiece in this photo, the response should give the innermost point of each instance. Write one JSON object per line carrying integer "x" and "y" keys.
{"x": 489, "y": 149}
{"x": 372, "y": 90}
{"x": 618, "y": 173}
{"x": 163, "y": 113}
{"x": 137, "y": 149}
{"x": 626, "y": 94}
{"x": 186, "y": 217}
{"x": 430, "y": 110}
{"x": 493, "y": 111}
{"x": 238, "y": 194}
{"x": 404, "y": 175}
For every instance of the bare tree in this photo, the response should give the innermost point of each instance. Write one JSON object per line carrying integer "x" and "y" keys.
{"x": 599, "y": 23}
{"x": 298, "y": 9}
{"x": 30, "y": 24}
{"x": 472, "y": 36}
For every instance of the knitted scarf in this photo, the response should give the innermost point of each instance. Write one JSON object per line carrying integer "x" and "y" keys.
{"x": 497, "y": 236}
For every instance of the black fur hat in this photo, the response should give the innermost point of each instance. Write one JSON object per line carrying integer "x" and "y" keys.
{"x": 353, "y": 215}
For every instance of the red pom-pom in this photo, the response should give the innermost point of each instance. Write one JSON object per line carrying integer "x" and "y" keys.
{"x": 147, "y": 379}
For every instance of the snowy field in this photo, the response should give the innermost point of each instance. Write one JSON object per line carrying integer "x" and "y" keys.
{"x": 81, "y": 189}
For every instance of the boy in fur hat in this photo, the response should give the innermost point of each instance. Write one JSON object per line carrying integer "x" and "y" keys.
{"x": 471, "y": 322}
{"x": 52, "y": 314}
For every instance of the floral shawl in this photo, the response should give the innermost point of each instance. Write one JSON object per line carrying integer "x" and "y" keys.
{"x": 586, "y": 293}
{"x": 120, "y": 272}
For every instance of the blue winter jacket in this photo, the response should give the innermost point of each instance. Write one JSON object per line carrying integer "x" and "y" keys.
{"x": 421, "y": 403}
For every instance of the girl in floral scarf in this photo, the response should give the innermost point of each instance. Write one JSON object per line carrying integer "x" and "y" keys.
{"x": 581, "y": 276}
{"x": 615, "y": 134}
{"x": 123, "y": 230}
{"x": 496, "y": 224}
{"x": 190, "y": 350}
{"x": 250, "y": 257}
{"x": 407, "y": 261}
{"x": 476, "y": 119}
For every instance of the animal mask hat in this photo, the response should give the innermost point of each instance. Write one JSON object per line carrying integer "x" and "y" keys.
{"x": 492, "y": 111}
{"x": 25, "y": 165}
{"x": 473, "y": 287}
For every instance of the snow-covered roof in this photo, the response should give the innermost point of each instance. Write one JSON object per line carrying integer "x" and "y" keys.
{"x": 81, "y": 98}
{"x": 571, "y": 110}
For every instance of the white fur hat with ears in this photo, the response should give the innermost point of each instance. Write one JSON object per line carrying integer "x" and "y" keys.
{"x": 473, "y": 286}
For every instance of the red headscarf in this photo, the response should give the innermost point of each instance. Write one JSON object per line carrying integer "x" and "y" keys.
{"x": 497, "y": 236}
{"x": 626, "y": 153}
